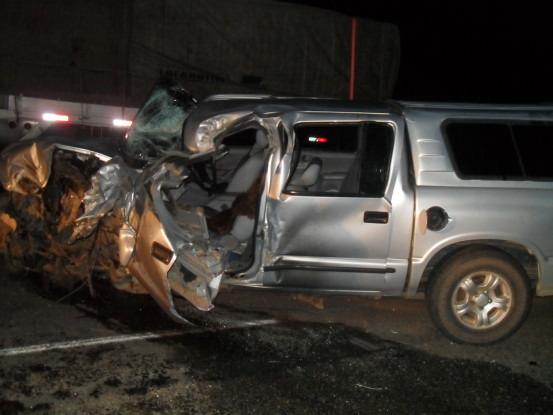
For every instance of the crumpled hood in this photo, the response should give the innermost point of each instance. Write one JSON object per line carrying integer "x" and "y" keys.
{"x": 26, "y": 165}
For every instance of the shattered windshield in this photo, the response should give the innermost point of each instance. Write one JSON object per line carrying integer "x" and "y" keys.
{"x": 158, "y": 125}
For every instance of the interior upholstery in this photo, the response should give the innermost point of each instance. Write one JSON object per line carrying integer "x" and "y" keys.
{"x": 309, "y": 177}
{"x": 251, "y": 168}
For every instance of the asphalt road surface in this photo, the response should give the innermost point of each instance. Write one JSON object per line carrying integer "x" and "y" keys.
{"x": 259, "y": 352}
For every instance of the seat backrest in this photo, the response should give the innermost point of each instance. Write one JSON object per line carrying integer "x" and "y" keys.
{"x": 242, "y": 228}
{"x": 245, "y": 175}
{"x": 309, "y": 177}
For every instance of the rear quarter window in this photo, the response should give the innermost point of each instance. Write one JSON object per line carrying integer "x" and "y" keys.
{"x": 501, "y": 151}
{"x": 483, "y": 150}
{"x": 535, "y": 144}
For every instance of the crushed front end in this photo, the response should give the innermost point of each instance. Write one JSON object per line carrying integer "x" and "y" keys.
{"x": 140, "y": 218}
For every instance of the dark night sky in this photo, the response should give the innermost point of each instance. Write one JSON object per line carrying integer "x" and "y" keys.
{"x": 464, "y": 51}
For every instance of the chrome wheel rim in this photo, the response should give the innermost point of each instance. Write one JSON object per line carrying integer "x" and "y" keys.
{"x": 482, "y": 300}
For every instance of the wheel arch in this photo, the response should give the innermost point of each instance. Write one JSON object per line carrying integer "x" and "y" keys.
{"x": 522, "y": 255}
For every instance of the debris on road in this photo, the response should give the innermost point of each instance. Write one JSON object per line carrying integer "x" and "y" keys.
{"x": 316, "y": 302}
{"x": 369, "y": 387}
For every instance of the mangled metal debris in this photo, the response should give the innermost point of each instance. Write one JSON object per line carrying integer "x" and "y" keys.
{"x": 153, "y": 220}
{"x": 111, "y": 188}
{"x": 91, "y": 217}
{"x": 26, "y": 169}
{"x": 42, "y": 218}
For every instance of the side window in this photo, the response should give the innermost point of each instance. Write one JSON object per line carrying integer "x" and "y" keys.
{"x": 483, "y": 150}
{"x": 503, "y": 151}
{"x": 341, "y": 160}
{"x": 328, "y": 138}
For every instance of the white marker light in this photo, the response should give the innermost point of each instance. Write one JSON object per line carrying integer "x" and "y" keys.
{"x": 121, "y": 123}
{"x": 50, "y": 116}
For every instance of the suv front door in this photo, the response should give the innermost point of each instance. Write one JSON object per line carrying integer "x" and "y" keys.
{"x": 350, "y": 231}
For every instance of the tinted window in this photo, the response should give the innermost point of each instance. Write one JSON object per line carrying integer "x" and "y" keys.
{"x": 483, "y": 150}
{"x": 535, "y": 144}
{"x": 375, "y": 163}
{"x": 331, "y": 138}
{"x": 342, "y": 160}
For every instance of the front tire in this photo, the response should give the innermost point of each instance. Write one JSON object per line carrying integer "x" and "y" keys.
{"x": 479, "y": 296}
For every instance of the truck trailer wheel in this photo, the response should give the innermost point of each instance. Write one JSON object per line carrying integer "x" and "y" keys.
{"x": 479, "y": 296}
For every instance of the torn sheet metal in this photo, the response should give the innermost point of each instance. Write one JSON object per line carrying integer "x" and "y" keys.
{"x": 122, "y": 221}
{"x": 151, "y": 271}
{"x": 45, "y": 221}
{"x": 113, "y": 183}
{"x": 203, "y": 141}
{"x": 126, "y": 243}
{"x": 113, "y": 186}
{"x": 200, "y": 264}
{"x": 166, "y": 247}
{"x": 25, "y": 168}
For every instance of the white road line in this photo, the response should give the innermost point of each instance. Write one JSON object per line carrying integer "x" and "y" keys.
{"x": 99, "y": 341}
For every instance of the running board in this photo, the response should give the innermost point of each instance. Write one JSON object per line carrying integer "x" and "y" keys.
{"x": 377, "y": 294}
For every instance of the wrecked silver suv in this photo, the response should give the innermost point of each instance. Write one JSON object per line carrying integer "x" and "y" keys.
{"x": 297, "y": 194}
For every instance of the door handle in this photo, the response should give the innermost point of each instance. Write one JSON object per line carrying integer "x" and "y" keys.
{"x": 375, "y": 217}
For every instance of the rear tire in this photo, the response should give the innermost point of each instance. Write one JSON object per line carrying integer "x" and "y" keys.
{"x": 479, "y": 296}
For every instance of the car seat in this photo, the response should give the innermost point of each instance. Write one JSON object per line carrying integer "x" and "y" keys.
{"x": 251, "y": 168}
{"x": 308, "y": 178}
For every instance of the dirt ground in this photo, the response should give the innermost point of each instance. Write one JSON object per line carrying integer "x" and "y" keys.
{"x": 323, "y": 355}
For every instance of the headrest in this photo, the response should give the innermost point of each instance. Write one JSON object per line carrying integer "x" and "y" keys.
{"x": 311, "y": 173}
{"x": 260, "y": 140}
